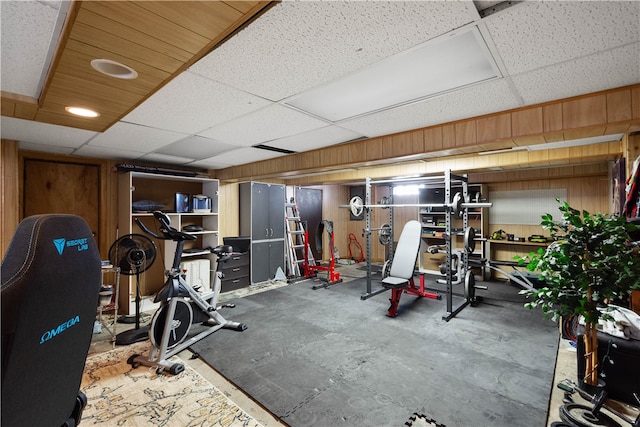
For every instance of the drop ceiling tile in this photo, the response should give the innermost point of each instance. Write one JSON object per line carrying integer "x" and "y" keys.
{"x": 46, "y": 148}
{"x": 191, "y": 103}
{"x": 236, "y": 157}
{"x": 42, "y": 133}
{"x": 143, "y": 138}
{"x": 29, "y": 30}
{"x": 536, "y": 34}
{"x": 165, "y": 159}
{"x": 270, "y": 123}
{"x": 601, "y": 71}
{"x": 318, "y": 138}
{"x": 298, "y": 45}
{"x": 473, "y": 101}
{"x": 196, "y": 147}
{"x": 108, "y": 153}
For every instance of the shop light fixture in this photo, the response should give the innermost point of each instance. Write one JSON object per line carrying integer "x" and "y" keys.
{"x": 558, "y": 144}
{"x": 447, "y": 63}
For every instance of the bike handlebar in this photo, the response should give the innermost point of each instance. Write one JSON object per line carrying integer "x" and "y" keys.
{"x": 168, "y": 232}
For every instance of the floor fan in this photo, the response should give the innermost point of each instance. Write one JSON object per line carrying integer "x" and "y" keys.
{"x": 133, "y": 254}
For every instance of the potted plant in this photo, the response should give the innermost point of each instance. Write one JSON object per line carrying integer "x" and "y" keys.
{"x": 590, "y": 263}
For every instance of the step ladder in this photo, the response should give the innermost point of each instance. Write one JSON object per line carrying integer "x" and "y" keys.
{"x": 297, "y": 241}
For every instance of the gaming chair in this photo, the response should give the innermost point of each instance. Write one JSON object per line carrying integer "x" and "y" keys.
{"x": 51, "y": 279}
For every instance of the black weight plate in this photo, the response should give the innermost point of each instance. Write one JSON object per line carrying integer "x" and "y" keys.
{"x": 581, "y": 415}
{"x": 470, "y": 286}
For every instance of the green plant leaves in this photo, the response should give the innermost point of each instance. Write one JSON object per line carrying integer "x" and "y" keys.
{"x": 588, "y": 264}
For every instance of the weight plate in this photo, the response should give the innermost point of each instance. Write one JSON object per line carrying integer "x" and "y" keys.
{"x": 470, "y": 286}
{"x": 470, "y": 240}
{"x": 456, "y": 204}
{"x": 581, "y": 416}
{"x": 386, "y": 269}
{"x": 385, "y": 201}
{"x": 357, "y": 205}
{"x": 384, "y": 234}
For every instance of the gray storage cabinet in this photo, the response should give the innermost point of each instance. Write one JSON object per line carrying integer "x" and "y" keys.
{"x": 262, "y": 215}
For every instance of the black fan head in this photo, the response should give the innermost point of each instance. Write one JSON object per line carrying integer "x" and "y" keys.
{"x": 133, "y": 253}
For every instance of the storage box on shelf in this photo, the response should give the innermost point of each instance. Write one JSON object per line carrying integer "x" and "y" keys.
{"x": 162, "y": 190}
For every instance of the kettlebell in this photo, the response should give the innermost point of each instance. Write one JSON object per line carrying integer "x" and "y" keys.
{"x": 497, "y": 235}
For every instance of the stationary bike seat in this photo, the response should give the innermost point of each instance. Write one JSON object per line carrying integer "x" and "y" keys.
{"x": 222, "y": 250}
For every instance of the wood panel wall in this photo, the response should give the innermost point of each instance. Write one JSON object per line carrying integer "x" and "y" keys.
{"x": 9, "y": 186}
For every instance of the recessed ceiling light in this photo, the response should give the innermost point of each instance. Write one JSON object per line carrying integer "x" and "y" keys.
{"x": 114, "y": 69}
{"x": 79, "y": 111}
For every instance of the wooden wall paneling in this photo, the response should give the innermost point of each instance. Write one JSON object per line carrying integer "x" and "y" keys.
{"x": 465, "y": 133}
{"x": 619, "y": 106}
{"x": 228, "y": 208}
{"x": 357, "y": 151}
{"x": 632, "y": 151}
{"x": 334, "y": 155}
{"x": 448, "y": 136}
{"x": 109, "y": 206}
{"x": 432, "y": 138}
{"x": 308, "y": 159}
{"x": 635, "y": 102}
{"x": 8, "y": 108}
{"x": 52, "y": 186}
{"x": 494, "y": 127}
{"x": 584, "y": 112}
{"x": 26, "y": 111}
{"x": 552, "y": 117}
{"x": 403, "y": 144}
{"x": 9, "y": 174}
{"x": 374, "y": 149}
{"x": 19, "y": 106}
{"x": 527, "y": 122}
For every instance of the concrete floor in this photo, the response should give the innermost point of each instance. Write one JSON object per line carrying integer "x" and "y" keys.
{"x": 565, "y": 362}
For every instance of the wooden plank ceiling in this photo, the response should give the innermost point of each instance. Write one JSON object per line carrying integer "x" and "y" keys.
{"x": 157, "y": 39}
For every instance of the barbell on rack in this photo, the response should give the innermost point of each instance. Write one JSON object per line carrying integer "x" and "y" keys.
{"x": 357, "y": 206}
{"x": 384, "y": 233}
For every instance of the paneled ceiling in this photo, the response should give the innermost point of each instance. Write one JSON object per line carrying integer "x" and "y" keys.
{"x": 224, "y": 83}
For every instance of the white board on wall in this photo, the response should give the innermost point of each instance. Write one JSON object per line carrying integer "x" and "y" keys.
{"x": 524, "y": 206}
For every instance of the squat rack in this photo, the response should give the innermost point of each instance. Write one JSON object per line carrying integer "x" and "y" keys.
{"x": 451, "y": 205}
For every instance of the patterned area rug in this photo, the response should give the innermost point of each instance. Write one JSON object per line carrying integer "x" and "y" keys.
{"x": 422, "y": 420}
{"x": 121, "y": 396}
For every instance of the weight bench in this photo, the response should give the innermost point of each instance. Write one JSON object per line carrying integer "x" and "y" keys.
{"x": 400, "y": 277}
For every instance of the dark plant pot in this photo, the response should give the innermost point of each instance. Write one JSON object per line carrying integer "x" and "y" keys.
{"x": 593, "y": 390}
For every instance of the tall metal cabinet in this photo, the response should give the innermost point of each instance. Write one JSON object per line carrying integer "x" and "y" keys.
{"x": 262, "y": 212}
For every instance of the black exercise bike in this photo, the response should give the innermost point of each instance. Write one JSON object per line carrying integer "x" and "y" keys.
{"x": 182, "y": 306}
